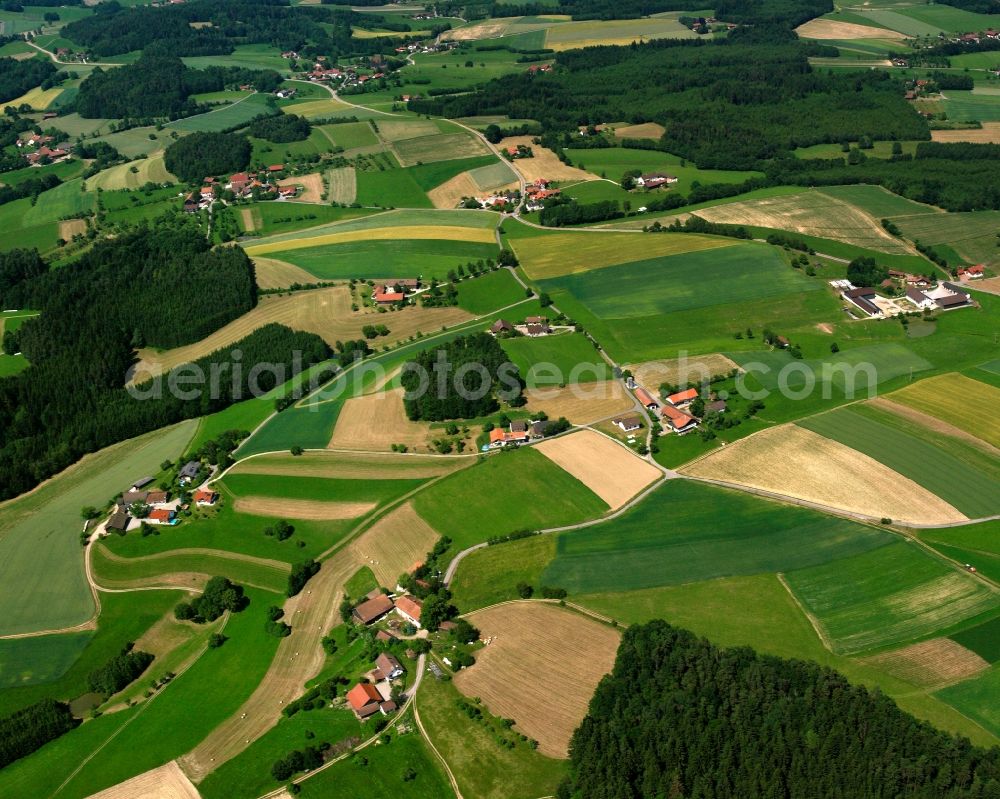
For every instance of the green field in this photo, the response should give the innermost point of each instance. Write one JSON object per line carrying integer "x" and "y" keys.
{"x": 53, "y": 672}
{"x": 12, "y": 221}
{"x": 730, "y": 275}
{"x": 172, "y": 724}
{"x": 407, "y": 187}
{"x": 273, "y": 218}
{"x": 539, "y": 494}
{"x": 247, "y": 56}
{"x": 489, "y": 292}
{"x": 227, "y": 117}
{"x": 964, "y": 106}
{"x": 350, "y": 135}
{"x": 977, "y": 544}
{"x": 374, "y": 259}
{"x": 970, "y": 234}
{"x": 963, "y": 476}
{"x": 481, "y": 766}
{"x": 490, "y": 575}
{"x": 557, "y": 360}
{"x": 712, "y": 533}
{"x": 64, "y": 200}
{"x": 887, "y": 597}
{"x": 977, "y": 699}
{"x": 984, "y": 639}
{"x": 39, "y": 533}
{"x": 877, "y": 201}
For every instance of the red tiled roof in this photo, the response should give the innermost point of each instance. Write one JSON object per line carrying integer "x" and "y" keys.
{"x": 686, "y": 395}
{"x": 497, "y": 434}
{"x": 643, "y": 396}
{"x": 202, "y": 495}
{"x": 677, "y": 419}
{"x": 410, "y": 606}
{"x": 362, "y": 694}
{"x": 161, "y": 514}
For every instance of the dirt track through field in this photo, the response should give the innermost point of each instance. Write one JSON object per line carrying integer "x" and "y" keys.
{"x": 540, "y": 669}
{"x": 165, "y": 782}
{"x": 581, "y": 404}
{"x": 350, "y": 466}
{"x": 395, "y": 543}
{"x": 376, "y": 422}
{"x": 299, "y": 658}
{"x": 795, "y": 462}
{"x": 607, "y": 468}
{"x": 312, "y": 510}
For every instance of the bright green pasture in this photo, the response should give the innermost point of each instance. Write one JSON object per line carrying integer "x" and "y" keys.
{"x": 407, "y": 187}
{"x": 971, "y": 234}
{"x": 247, "y": 56}
{"x": 64, "y": 170}
{"x": 729, "y": 275}
{"x": 39, "y": 533}
{"x": 249, "y": 773}
{"x": 491, "y": 575}
{"x": 244, "y": 415}
{"x": 12, "y": 365}
{"x": 266, "y": 152}
{"x": 880, "y": 149}
{"x": 173, "y": 723}
{"x": 877, "y": 201}
{"x": 897, "y": 21}
{"x": 888, "y": 596}
{"x": 67, "y": 199}
{"x": 686, "y": 531}
{"x": 557, "y": 359}
{"x": 273, "y": 218}
{"x": 227, "y": 117}
{"x": 977, "y": 544}
{"x": 977, "y": 699}
{"x": 482, "y": 767}
{"x": 965, "y": 477}
{"x": 41, "y": 236}
{"x": 124, "y": 617}
{"x": 351, "y": 134}
{"x": 324, "y": 489}
{"x": 489, "y": 292}
{"x": 951, "y": 20}
{"x": 464, "y": 505}
{"x": 972, "y": 105}
{"x": 376, "y": 258}
{"x": 382, "y": 771}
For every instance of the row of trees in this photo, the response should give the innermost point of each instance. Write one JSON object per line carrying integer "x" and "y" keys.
{"x": 118, "y": 672}
{"x": 679, "y": 717}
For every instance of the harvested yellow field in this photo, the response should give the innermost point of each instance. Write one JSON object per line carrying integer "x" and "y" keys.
{"x": 582, "y": 403}
{"x": 678, "y": 372}
{"x": 924, "y": 420}
{"x": 165, "y": 782}
{"x": 937, "y": 662}
{"x": 450, "y": 193}
{"x": 990, "y": 285}
{"x": 812, "y": 213}
{"x": 312, "y": 188}
{"x": 147, "y": 170}
{"x": 540, "y": 668}
{"x": 988, "y": 134}
{"x": 831, "y": 29}
{"x": 545, "y": 256}
{"x": 310, "y": 509}
{"x": 342, "y": 185}
{"x": 794, "y": 462}
{"x": 395, "y": 543}
{"x": 38, "y": 98}
{"x": 325, "y": 312}
{"x": 448, "y": 232}
{"x": 249, "y": 221}
{"x": 647, "y": 130}
{"x": 318, "y": 108}
{"x": 376, "y": 422}
{"x": 351, "y": 465}
{"x": 484, "y": 30}
{"x": 275, "y": 274}
{"x": 69, "y": 228}
{"x": 609, "y": 469}
{"x": 962, "y": 401}
{"x": 544, "y": 165}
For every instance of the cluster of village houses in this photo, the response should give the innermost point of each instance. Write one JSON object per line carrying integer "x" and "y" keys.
{"x": 243, "y": 185}
{"x": 42, "y": 153}
{"x": 140, "y": 503}
{"x": 920, "y": 294}
{"x": 672, "y": 412}
{"x": 374, "y": 694}
{"x": 393, "y": 290}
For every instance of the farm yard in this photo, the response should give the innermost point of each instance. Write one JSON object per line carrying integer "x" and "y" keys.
{"x": 544, "y": 682}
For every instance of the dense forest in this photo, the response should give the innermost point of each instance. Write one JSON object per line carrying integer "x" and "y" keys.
{"x": 200, "y": 155}
{"x": 19, "y": 77}
{"x": 159, "y": 287}
{"x": 280, "y": 129}
{"x": 160, "y": 86}
{"x": 311, "y": 30}
{"x": 727, "y": 104}
{"x": 118, "y": 672}
{"x": 460, "y": 380}
{"x": 681, "y": 718}
{"x": 31, "y": 728}
{"x": 744, "y": 12}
